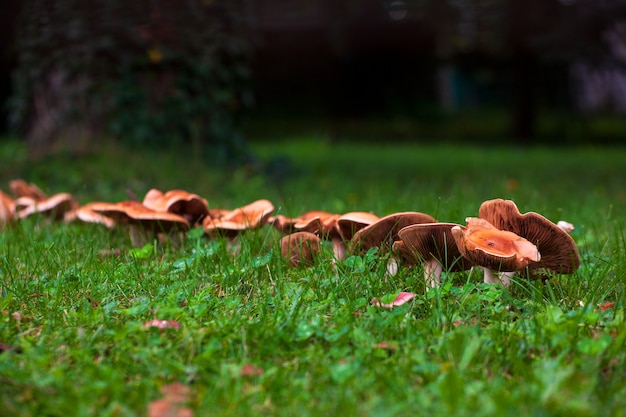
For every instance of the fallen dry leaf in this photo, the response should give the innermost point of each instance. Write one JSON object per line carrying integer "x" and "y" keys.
{"x": 162, "y": 324}
{"x": 251, "y": 370}
{"x": 385, "y": 346}
{"x": 401, "y": 298}
{"x": 607, "y": 306}
{"x": 171, "y": 405}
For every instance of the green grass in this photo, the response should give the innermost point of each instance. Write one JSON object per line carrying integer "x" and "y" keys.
{"x": 74, "y": 314}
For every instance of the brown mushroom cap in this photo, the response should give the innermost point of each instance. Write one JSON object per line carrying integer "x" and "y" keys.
{"x": 86, "y": 214}
{"x": 56, "y": 206}
{"x": 249, "y": 217}
{"x": 21, "y": 188}
{"x": 500, "y": 250}
{"x": 190, "y": 206}
{"x": 300, "y": 248}
{"x": 311, "y": 221}
{"x": 133, "y": 212}
{"x": 350, "y": 223}
{"x": 384, "y": 231}
{"x": 559, "y": 252}
{"x": 421, "y": 242}
{"x": 7, "y": 208}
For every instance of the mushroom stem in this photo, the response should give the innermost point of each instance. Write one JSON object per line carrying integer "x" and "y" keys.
{"x": 393, "y": 264}
{"x": 491, "y": 277}
{"x": 432, "y": 273}
{"x": 339, "y": 248}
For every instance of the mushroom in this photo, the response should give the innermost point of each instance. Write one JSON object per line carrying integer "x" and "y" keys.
{"x": 7, "y": 209}
{"x": 190, "y": 206}
{"x": 57, "y": 207}
{"x": 143, "y": 223}
{"x": 494, "y": 249}
{"x": 559, "y": 252}
{"x": 339, "y": 229}
{"x": 86, "y": 214}
{"x": 434, "y": 246}
{"x": 384, "y": 231}
{"x": 249, "y": 217}
{"x": 21, "y": 188}
{"x": 311, "y": 221}
{"x": 300, "y": 248}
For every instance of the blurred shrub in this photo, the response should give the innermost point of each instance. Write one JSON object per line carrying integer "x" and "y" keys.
{"x": 145, "y": 72}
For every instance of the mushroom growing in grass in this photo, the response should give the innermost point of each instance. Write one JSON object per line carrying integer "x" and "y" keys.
{"x": 7, "y": 209}
{"x": 340, "y": 229}
{"x": 300, "y": 248}
{"x": 559, "y": 252}
{"x": 384, "y": 231}
{"x": 494, "y": 249}
{"x": 143, "y": 223}
{"x": 21, "y": 188}
{"x": 311, "y": 221}
{"x": 60, "y": 206}
{"x": 249, "y": 217}
{"x": 433, "y": 246}
{"x": 191, "y": 206}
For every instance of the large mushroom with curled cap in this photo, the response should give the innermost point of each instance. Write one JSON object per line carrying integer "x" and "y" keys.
{"x": 558, "y": 249}
{"x": 494, "y": 249}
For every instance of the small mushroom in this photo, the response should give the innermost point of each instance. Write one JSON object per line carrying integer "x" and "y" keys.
{"x": 190, "y": 206}
{"x": 494, "y": 249}
{"x": 559, "y": 252}
{"x": 339, "y": 229}
{"x": 57, "y": 207}
{"x": 300, "y": 248}
{"x": 7, "y": 209}
{"x": 21, "y": 188}
{"x": 311, "y": 221}
{"x": 143, "y": 223}
{"x": 249, "y": 217}
{"x": 434, "y": 246}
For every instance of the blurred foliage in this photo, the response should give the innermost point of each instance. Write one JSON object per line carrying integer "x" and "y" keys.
{"x": 149, "y": 73}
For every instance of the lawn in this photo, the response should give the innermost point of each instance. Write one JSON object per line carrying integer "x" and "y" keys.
{"x": 249, "y": 335}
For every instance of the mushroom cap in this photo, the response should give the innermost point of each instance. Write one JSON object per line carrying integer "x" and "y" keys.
{"x": 56, "y": 206}
{"x": 500, "y": 250}
{"x": 311, "y": 221}
{"x": 385, "y": 230}
{"x": 86, "y": 214}
{"x": 21, "y": 188}
{"x": 248, "y": 217}
{"x": 349, "y": 223}
{"x": 7, "y": 208}
{"x": 190, "y": 206}
{"x": 559, "y": 252}
{"x": 300, "y": 248}
{"x": 421, "y": 242}
{"x": 133, "y": 212}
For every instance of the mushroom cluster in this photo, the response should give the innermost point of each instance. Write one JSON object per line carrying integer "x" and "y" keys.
{"x": 501, "y": 240}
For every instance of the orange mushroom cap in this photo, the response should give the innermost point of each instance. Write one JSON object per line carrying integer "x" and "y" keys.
{"x": 248, "y": 217}
{"x": 7, "y": 208}
{"x": 559, "y": 252}
{"x": 500, "y": 250}
{"x": 129, "y": 212}
{"x": 21, "y": 188}
{"x": 190, "y": 206}
{"x": 56, "y": 206}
